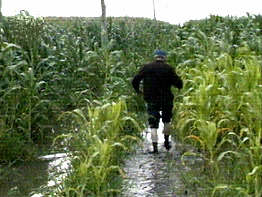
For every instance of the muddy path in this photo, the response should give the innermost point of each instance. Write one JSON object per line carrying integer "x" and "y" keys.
{"x": 31, "y": 179}
{"x": 157, "y": 175}
{"x": 147, "y": 175}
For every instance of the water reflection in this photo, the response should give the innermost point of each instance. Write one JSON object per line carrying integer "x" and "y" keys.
{"x": 150, "y": 175}
{"x": 57, "y": 167}
{"x": 158, "y": 175}
{"x": 20, "y": 180}
{"x": 58, "y": 164}
{"x": 28, "y": 179}
{"x": 147, "y": 175}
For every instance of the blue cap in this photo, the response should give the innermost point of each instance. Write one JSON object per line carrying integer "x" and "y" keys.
{"x": 160, "y": 53}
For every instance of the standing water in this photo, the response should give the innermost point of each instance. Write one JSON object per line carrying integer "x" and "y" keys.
{"x": 155, "y": 175}
{"x": 32, "y": 178}
{"x": 147, "y": 175}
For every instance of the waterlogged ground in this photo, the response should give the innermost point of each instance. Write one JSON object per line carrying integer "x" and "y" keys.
{"x": 158, "y": 175}
{"x": 147, "y": 175}
{"x": 30, "y": 179}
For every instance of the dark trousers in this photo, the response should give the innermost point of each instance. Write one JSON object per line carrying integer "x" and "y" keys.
{"x": 153, "y": 110}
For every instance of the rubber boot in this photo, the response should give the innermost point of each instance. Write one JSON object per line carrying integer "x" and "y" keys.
{"x": 155, "y": 149}
{"x": 154, "y": 139}
{"x": 167, "y": 143}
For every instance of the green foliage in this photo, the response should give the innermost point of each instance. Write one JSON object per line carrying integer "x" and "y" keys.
{"x": 220, "y": 111}
{"x": 54, "y": 66}
{"x": 99, "y": 142}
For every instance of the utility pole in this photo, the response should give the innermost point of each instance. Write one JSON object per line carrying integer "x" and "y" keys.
{"x": 104, "y": 38}
{"x": 154, "y": 9}
{"x": 1, "y": 11}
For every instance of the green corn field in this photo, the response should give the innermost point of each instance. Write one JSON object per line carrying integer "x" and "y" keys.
{"x": 57, "y": 82}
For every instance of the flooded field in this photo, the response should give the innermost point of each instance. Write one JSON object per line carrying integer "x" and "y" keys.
{"x": 147, "y": 175}
{"x": 29, "y": 179}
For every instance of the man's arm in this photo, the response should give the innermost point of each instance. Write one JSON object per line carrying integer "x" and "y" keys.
{"x": 176, "y": 80}
{"x": 136, "y": 81}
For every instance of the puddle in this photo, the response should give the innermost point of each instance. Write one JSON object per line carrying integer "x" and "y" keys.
{"x": 150, "y": 175}
{"x": 57, "y": 170}
{"x": 29, "y": 179}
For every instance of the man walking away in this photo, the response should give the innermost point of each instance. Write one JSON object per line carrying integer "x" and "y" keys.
{"x": 158, "y": 77}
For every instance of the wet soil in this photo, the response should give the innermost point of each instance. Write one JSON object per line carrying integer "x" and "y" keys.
{"x": 31, "y": 178}
{"x": 157, "y": 175}
{"x": 19, "y": 180}
{"x": 147, "y": 175}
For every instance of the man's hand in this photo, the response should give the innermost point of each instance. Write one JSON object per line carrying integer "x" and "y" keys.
{"x": 139, "y": 92}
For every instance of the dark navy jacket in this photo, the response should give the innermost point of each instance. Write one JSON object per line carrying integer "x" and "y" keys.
{"x": 157, "y": 77}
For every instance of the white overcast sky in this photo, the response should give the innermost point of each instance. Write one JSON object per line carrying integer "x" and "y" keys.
{"x": 173, "y": 11}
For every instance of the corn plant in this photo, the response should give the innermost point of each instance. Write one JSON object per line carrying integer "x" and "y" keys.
{"x": 226, "y": 92}
{"x": 97, "y": 137}
{"x": 61, "y": 68}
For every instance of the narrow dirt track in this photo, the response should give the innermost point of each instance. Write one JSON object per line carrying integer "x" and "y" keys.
{"x": 155, "y": 175}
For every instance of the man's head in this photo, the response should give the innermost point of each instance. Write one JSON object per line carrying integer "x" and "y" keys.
{"x": 160, "y": 55}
